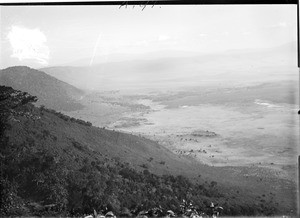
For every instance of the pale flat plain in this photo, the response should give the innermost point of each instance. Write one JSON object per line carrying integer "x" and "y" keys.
{"x": 247, "y": 131}
{"x": 253, "y": 125}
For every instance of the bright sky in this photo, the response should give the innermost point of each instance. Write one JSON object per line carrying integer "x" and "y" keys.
{"x": 47, "y": 36}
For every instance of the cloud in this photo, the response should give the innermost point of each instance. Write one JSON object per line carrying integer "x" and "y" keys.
{"x": 280, "y": 25}
{"x": 163, "y": 37}
{"x": 203, "y": 34}
{"x": 246, "y": 32}
{"x": 142, "y": 43}
{"x": 28, "y": 44}
{"x": 226, "y": 33}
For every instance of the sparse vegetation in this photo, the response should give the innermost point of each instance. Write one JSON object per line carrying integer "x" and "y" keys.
{"x": 65, "y": 117}
{"x": 45, "y": 177}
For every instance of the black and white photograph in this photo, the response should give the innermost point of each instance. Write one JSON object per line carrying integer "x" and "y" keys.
{"x": 149, "y": 110}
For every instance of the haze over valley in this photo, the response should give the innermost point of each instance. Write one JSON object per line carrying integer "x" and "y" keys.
{"x": 249, "y": 103}
{"x": 103, "y": 111}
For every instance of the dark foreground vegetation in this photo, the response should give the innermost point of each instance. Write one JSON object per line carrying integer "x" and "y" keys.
{"x": 38, "y": 180}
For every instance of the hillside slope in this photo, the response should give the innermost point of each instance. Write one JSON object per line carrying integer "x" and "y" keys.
{"x": 52, "y": 159}
{"x": 50, "y": 91}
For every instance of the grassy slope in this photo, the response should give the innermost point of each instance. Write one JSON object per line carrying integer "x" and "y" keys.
{"x": 75, "y": 142}
{"x": 50, "y": 91}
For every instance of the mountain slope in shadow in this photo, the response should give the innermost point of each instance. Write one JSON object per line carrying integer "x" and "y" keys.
{"x": 50, "y": 91}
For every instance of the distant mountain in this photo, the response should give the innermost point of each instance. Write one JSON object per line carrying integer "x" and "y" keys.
{"x": 120, "y": 57}
{"x": 50, "y": 91}
{"x": 172, "y": 71}
{"x": 55, "y": 165}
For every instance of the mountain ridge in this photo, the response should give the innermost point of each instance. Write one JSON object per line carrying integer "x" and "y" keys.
{"x": 50, "y": 91}
{"x": 175, "y": 71}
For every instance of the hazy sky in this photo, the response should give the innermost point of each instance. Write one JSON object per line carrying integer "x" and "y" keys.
{"x": 47, "y": 36}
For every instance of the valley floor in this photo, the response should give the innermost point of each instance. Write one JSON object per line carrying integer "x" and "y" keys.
{"x": 249, "y": 133}
{"x": 241, "y": 131}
